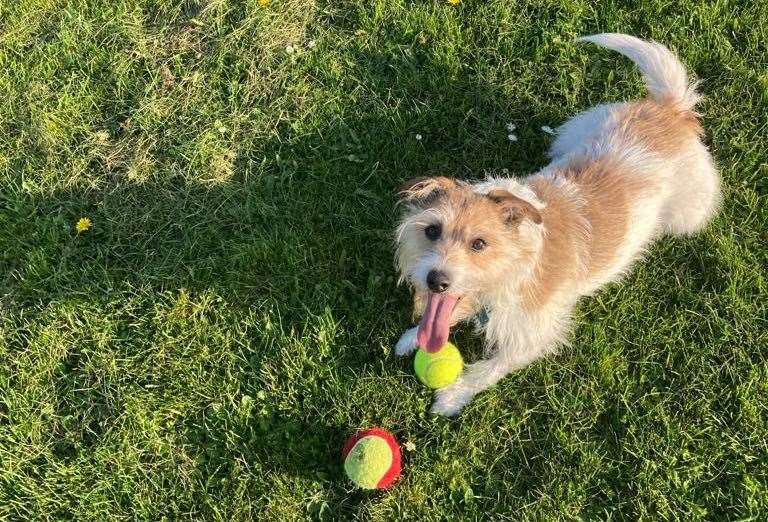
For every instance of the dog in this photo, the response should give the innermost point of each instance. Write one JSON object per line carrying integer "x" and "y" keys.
{"x": 514, "y": 256}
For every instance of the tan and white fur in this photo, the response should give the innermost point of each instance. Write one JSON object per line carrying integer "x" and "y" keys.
{"x": 525, "y": 250}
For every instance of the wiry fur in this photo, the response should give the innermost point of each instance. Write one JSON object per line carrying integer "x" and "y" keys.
{"x": 621, "y": 174}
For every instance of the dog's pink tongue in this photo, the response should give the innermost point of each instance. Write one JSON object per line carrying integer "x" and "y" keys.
{"x": 436, "y": 321}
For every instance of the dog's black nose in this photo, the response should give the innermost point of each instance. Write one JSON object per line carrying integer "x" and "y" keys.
{"x": 438, "y": 281}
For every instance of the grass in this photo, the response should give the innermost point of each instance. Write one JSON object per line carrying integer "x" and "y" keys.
{"x": 204, "y": 349}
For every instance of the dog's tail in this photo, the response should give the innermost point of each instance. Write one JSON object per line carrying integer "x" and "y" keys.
{"x": 665, "y": 76}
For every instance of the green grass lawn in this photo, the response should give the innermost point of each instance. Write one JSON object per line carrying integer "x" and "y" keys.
{"x": 205, "y": 348}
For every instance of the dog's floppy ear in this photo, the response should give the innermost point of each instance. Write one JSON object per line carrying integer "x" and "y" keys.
{"x": 424, "y": 191}
{"x": 515, "y": 209}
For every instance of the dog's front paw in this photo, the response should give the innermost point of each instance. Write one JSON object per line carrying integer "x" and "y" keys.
{"x": 407, "y": 342}
{"x": 450, "y": 400}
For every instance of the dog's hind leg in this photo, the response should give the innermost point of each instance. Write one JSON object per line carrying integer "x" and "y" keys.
{"x": 694, "y": 193}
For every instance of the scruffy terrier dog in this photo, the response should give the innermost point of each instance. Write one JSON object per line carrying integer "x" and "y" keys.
{"x": 516, "y": 255}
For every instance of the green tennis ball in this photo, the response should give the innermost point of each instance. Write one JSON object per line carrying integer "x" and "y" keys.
{"x": 438, "y": 369}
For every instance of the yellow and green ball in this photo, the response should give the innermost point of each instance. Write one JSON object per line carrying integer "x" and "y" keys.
{"x": 438, "y": 369}
{"x": 372, "y": 458}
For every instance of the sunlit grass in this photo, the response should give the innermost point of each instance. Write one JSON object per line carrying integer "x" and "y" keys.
{"x": 204, "y": 348}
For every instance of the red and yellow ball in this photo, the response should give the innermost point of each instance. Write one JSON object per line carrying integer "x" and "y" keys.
{"x": 372, "y": 458}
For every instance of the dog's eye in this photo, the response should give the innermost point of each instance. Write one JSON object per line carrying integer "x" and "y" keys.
{"x": 432, "y": 232}
{"x": 478, "y": 245}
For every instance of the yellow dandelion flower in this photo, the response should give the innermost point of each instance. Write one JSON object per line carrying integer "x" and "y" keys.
{"x": 264, "y": 2}
{"x": 453, "y": 2}
{"x": 83, "y": 224}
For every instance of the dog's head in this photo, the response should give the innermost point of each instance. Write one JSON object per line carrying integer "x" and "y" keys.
{"x": 456, "y": 243}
